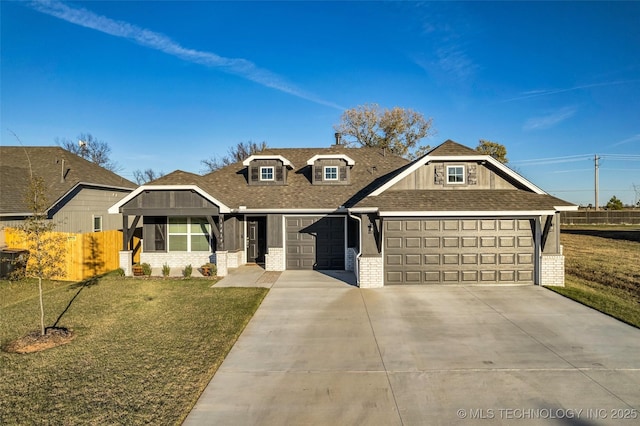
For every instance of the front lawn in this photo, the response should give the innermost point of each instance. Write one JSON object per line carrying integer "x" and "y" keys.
{"x": 601, "y": 266}
{"x": 144, "y": 349}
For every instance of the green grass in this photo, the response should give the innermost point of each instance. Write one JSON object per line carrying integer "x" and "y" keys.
{"x": 144, "y": 349}
{"x": 601, "y": 266}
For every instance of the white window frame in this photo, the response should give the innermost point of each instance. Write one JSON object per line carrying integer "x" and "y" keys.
{"x": 265, "y": 168}
{"x": 458, "y": 166}
{"x": 188, "y": 234}
{"x": 326, "y": 168}
{"x": 99, "y": 228}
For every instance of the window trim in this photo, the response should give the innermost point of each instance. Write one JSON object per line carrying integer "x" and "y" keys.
{"x": 457, "y": 166}
{"x": 273, "y": 173}
{"x": 101, "y": 227}
{"x": 324, "y": 173}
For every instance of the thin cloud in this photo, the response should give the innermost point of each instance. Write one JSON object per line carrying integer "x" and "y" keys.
{"x": 634, "y": 138}
{"x": 157, "y": 41}
{"x": 550, "y": 120}
{"x": 546, "y": 92}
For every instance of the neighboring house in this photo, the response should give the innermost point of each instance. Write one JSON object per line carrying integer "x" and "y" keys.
{"x": 451, "y": 216}
{"x": 79, "y": 192}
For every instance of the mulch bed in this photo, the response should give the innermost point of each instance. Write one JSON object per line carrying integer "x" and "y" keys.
{"x": 35, "y": 342}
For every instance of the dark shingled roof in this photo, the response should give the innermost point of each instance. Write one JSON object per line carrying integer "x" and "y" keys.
{"x": 229, "y": 184}
{"x": 178, "y": 177}
{"x": 462, "y": 200}
{"x": 46, "y": 162}
{"x": 450, "y": 147}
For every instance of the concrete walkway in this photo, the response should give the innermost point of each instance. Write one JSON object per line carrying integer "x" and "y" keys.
{"x": 321, "y": 352}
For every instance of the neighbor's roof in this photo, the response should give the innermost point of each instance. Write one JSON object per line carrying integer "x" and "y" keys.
{"x": 229, "y": 184}
{"x": 450, "y": 147}
{"x": 46, "y": 162}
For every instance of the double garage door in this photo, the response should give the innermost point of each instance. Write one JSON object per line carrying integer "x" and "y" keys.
{"x": 315, "y": 242}
{"x": 458, "y": 251}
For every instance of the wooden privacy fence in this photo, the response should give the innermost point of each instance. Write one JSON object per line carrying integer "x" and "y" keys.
{"x": 86, "y": 255}
{"x": 601, "y": 217}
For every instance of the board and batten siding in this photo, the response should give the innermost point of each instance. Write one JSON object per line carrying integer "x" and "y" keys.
{"x": 482, "y": 176}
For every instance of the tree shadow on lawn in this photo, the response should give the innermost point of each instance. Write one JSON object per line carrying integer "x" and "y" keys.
{"x": 54, "y": 335}
{"x": 81, "y": 285}
{"x": 632, "y": 235}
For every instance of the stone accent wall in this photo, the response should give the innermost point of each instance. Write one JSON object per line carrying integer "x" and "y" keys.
{"x": 275, "y": 259}
{"x": 370, "y": 272}
{"x": 552, "y": 270}
{"x": 351, "y": 259}
{"x": 126, "y": 262}
{"x": 175, "y": 259}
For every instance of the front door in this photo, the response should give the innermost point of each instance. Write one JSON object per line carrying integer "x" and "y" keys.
{"x": 256, "y": 241}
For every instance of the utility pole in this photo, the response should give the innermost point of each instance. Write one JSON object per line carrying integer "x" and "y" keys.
{"x": 595, "y": 160}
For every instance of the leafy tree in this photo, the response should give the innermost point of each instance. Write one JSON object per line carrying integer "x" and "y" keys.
{"x": 614, "y": 204}
{"x": 144, "y": 176}
{"x": 494, "y": 149}
{"x": 398, "y": 130}
{"x": 46, "y": 259}
{"x": 90, "y": 148}
{"x": 240, "y": 152}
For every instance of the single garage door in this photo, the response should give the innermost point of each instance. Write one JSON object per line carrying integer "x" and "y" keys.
{"x": 315, "y": 242}
{"x": 458, "y": 251}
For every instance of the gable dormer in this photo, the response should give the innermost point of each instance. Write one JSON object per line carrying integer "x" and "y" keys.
{"x": 331, "y": 169}
{"x": 267, "y": 169}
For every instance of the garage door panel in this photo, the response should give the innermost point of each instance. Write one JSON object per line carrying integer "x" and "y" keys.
{"x": 465, "y": 251}
{"x": 431, "y": 277}
{"x": 315, "y": 242}
{"x": 431, "y": 259}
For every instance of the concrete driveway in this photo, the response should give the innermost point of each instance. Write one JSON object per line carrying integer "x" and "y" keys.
{"x": 322, "y": 352}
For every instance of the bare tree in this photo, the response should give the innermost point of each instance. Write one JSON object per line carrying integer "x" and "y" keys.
{"x": 398, "y": 129}
{"x": 90, "y": 148}
{"x": 494, "y": 149}
{"x": 46, "y": 259}
{"x": 144, "y": 176}
{"x": 240, "y": 152}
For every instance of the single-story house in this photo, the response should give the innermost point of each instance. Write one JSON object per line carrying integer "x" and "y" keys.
{"x": 452, "y": 216}
{"x": 78, "y": 191}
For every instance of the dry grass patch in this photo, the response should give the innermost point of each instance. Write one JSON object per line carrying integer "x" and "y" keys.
{"x": 143, "y": 350}
{"x": 601, "y": 265}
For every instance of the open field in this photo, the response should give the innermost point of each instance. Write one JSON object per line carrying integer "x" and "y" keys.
{"x": 602, "y": 269}
{"x": 144, "y": 349}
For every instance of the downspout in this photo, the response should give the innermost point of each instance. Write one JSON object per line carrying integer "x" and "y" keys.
{"x": 356, "y": 267}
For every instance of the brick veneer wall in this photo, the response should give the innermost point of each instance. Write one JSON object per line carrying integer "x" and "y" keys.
{"x": 175, "y": 259}
{"x": 275, "y": 259}
{"x": 552, "y": 270}
{"x": 370, "y": 272}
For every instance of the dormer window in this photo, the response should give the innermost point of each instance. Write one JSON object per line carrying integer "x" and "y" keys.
{"x": 331, "y": 169}
{"x": 266, "y": 173}
{"x": 455, "y": 175}
{"x": 331, "y": 173}
{"x": 267, "y": 169}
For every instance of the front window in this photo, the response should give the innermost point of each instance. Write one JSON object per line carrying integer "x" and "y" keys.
{"x": 189, "y": 234}
{"x": 266, "y": 173}
{"x": 455, "y": 174}
{"x": 331, "y": 173}
{"x": 97, "y": 223}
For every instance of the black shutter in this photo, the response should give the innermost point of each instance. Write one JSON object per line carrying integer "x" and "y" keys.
{"x": 343, "y": 173}
{"x": 279, "y": 173}
{"x": 318, "y": 173}
{"x": 255, "y": 171}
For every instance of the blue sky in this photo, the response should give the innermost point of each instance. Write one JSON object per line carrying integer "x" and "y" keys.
{"x": 167, "y": 84}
